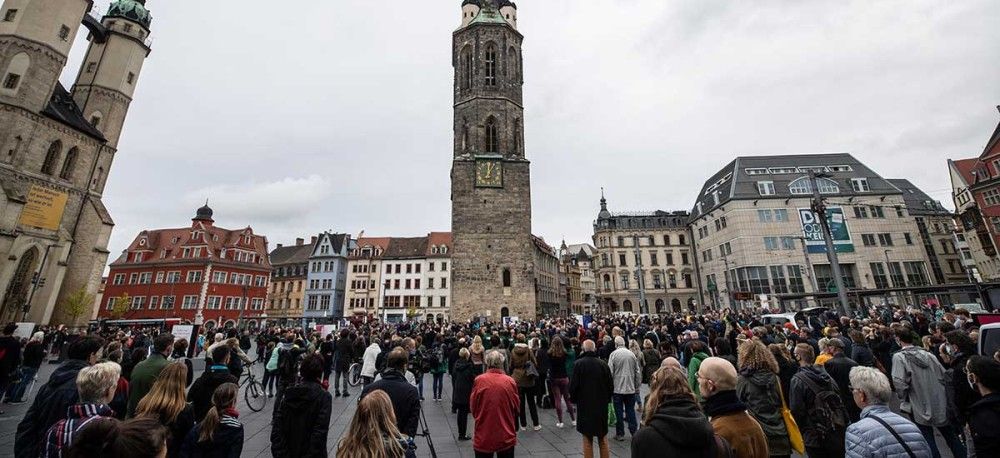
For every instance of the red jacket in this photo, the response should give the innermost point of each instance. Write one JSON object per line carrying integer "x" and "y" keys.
{"x": 494, "y": 406}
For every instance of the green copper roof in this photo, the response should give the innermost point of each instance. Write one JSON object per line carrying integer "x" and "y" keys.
{"x": 134, "y": 10}
{"x": 488, "y": 15}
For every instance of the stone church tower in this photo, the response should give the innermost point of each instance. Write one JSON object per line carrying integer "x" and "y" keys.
{"x": 493, "y": 254}
{"x": 57, "y": 146}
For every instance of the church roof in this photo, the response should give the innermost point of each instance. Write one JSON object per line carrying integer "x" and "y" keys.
{"x": 64, "y": 109}
{"x": 134, "y": 10}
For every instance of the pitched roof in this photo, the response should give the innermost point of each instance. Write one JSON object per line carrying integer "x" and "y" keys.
{"x": 541, "y": 245}
{"x": 169, "y": 244}
{"x": 337, "y": 241}
{"x": 738, "y": 179}
{"x": 917, "y": 201}
{"x": 406, "y": 248}
{"x": 965, "y": 168}
{"x": 993, "y": 145}
{"x": 438, "y": 239}
{"x": 64, "y": 109}
{"x": 295, "y": 254}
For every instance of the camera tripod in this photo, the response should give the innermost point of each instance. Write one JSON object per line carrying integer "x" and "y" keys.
{"x": 426, "y": 432}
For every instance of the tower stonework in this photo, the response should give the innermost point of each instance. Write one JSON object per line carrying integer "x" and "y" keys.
{"x": 493, "y": 257}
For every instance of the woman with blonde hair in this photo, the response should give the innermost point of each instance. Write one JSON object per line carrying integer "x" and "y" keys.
{"x": 673, "y": 423}
{"x": 373, "y": 433}
{"x": 476, "y": 352}
{"x": 167, "y": 403}
{"x": 759, "y": 388}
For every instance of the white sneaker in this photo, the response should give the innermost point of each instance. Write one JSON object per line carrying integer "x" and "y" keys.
{"x": 574, "y": 422}
{"x": 559, "y": 425}
{"x": 538, "y": 428}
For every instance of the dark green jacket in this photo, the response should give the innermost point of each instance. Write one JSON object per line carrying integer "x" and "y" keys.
{"x": 143, "y": 376}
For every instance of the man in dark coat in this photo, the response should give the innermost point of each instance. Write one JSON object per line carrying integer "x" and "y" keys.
{"x": 200, "y": 394}
{"x": 55, "y": 397}
{"x": 463, "y": 376}
{"x": 343, "y": 360}
{"x": 839, "y": 368}
{"x": 591, "y": 388}
{"x": 984, "y": 414}
{"x": 302, "y": 421}
{"x": 404, "y": 397}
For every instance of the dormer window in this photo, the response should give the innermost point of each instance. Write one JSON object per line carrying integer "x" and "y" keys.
{"x": 142, "y": 242}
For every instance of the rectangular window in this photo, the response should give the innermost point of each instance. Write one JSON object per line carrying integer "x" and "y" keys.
{"x": 621, "y": 259}
{"x": 899, "y": 212}
{"x": 10, "y": 15}
{"x": 861, "y": 212}
{"x": 167, "y": 303}
{"x": 877, "y": 212}
{"x": 133, "y": 278}
{"x": 885, "y": 239}
{"x": 111, "y": 302}
{"x": 780, "y": 215}
{"x": 444, "y": 283}
{"x": 778, "y": 281}
{"x": 159, "y": 277}
{"x": 190, "y": 302}
{"x": 684, "y": 259}
{"x": 64, "y": 33}
{"x": 194, "y": 276}
{"x": 119, "y": 279}
{"x": 787, "y": 243}
{"x": 860, "y": 185}
{"x": 312, "y": 303}
{"x": 443, "y": 301}
{"x": 220, "y": 277}
{"x": 138, "y": 302}
{"x": 896, "y": 275}
{"x": 409, "y": 268}
{"x": 878, "y": 274}
{"x": 795, "y": 284}
{"x": 407, "y": 283}
{"x": 624, "y": 280}
{"x": 173, "y": 277}
{"x": 992, "y": 196}
{"x": 770, "y": 243}
{"x": 680, "y": 239}
{"x": 765, "y": 216}
{"x": 670, "y": 258}
{"x": 324, "y": 302}
{"x": 915, "y": 273}
{"x": 765, "y": 188}
{"x": 908, "y": 238}
{"x": 145, "y": 278}
{"x": 653, "y": 259}
{"x": 399, "y": 268}
{"x": 11, "y": 81}
{"x": 430, "y": 283}
{"x": 444, "y": 266}
{"x": 868, "y": 239}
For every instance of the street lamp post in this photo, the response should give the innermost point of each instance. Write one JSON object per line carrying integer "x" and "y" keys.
{"x": 36, "y": 279}
{"x": 243, "y": 305}
{"x": 640, "y": 278}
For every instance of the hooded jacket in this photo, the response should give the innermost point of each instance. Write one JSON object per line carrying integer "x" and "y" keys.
{"x": 464, "y": 376}
{"x": 200, "y": 393}
{"x": 919, "y": 381}
{"x": 984, "y": 416}
{"x": 519, "y": 359}
{"x": 50, "y": 405}
{"x": 677, "y": 429}
{"x": 758, "y": 389}
{"x": 302, "y": 422}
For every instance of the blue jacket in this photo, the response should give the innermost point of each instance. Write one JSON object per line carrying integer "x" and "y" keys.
{"x": 868, "y": 438}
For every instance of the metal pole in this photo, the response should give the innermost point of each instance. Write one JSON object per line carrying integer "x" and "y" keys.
{"x": 729, "y": 291}
{"x": 819, "y": 208}
{"x": 243, "y": 305}
{"x": 809, "y": 269}
{"x": 638, "y": 275}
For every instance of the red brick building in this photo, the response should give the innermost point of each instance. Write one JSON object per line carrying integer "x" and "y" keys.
{"x": 976, "y": 194}
{"x": 201, "y": 271}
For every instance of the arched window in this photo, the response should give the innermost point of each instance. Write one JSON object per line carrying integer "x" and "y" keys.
{"x": 52, "y": 157}
{"x": 95, "y": 119}
{"x": 97, "y": 178}
{"x": 491, "y": 65}
{"x": 607, "y": 282}
{"x": 514, "y": 72}
{"x": 506, "y": 278}
{"x": 627, "y": 306}
{"x": 466, "y": 67}
{"x": 492, "y": 139}
{"x": 15, "y": 73}
{"x": 802, "y": 186}
{"x": 465, "y": 135}
{"x": 69, "y": 165}
{"x": 676, "y": 305}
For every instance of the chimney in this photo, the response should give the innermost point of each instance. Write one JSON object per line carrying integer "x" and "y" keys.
{"x": 314, "y": 238}
{"x": 279, "y": 245}
{"x": 299, "y": 241}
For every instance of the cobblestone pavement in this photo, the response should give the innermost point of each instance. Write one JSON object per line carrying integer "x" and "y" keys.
{"x": 549, "y": 442}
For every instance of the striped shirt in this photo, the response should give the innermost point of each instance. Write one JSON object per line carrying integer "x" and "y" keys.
{"x": 60, "y": 435}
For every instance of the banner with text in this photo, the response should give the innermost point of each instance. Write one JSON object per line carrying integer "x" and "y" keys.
{"x": 44, "y": 208}
{"x": 813, "y": 230}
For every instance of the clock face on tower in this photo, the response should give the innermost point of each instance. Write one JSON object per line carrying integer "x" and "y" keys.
{"x": 489, "y": 174}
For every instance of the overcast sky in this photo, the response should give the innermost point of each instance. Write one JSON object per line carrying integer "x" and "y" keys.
{"x": 297, "y": 117}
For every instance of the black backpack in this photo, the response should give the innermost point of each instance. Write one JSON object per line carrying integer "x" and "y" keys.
{"x": 828, "y": 414}
{"x": 288, "y": 364}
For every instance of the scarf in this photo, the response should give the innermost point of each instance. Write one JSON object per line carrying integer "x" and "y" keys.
{"x": 723, "y": 403}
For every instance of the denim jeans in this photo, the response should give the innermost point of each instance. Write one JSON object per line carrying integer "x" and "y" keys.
{"x": 338, "y": 376}
{"x": 27, "y": 375}
{"x": 950, "y": 436}
{"x": 420, "y": 384}
{"x": 438, "y": 385}
{"x": 269, "y": 378}
{"x": 625, "y": 408}
{"x": 560, "y": 392}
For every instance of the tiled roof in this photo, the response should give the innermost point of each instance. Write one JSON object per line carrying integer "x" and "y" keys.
{"x": 155, "y": 241}
{"x": 965, "y": 168}
{"x": 295, "y": 254}
{"x": 406, "y": 248}
{"x": 64, "y": 109}
{"x": 438, "y": 239}
{"x": 917, "y": 201}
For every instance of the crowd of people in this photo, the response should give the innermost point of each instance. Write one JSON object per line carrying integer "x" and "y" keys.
{"x": 718, "y": 384}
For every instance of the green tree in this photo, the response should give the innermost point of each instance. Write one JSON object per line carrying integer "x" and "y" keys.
{"x": 77, "y": 304}
{"x": 122, "y": 304}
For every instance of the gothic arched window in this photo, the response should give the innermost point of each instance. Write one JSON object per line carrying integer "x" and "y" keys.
{"x": 506, "y": 278}
{"x": 69, "y": 164}
{"x": 514, "y": 71}
{"x": 51, "y": 157}
{"x": 492, "y": 139}
{"x": 466, "y": 67}
{"x": 491, "y": 65}
{"x": 517, "y": 135}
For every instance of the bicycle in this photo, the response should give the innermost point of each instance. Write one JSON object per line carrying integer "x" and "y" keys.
{"x": 354, "y": 374}
{"x": 253, "y": 394}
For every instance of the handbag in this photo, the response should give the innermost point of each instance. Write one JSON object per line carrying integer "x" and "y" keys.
{"x": 794, "y": 435}
{"x": 530, "y": 370}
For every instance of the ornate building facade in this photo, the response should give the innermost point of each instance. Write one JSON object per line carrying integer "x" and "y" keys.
{"x": 57, "y": 147}
{"x": 494, "y": 251}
